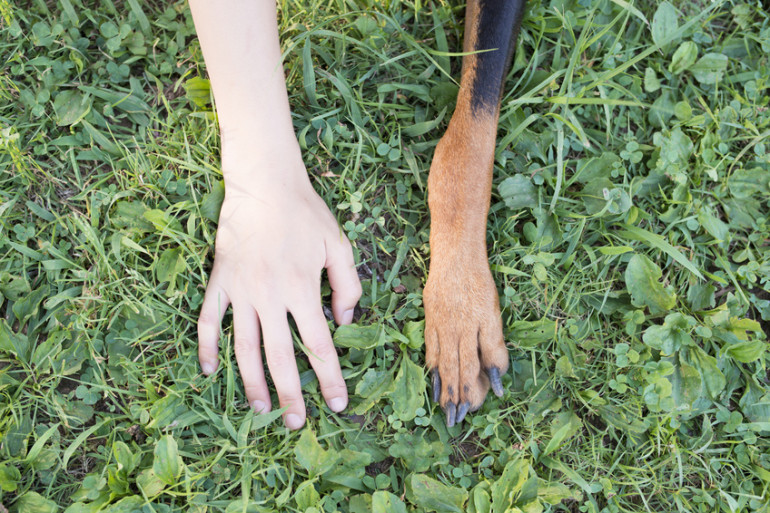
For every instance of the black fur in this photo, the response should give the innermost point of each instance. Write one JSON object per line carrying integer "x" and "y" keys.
{"x": 498, "y": 30}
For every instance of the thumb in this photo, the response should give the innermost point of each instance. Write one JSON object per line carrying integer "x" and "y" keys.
{"x": 343, "y": 278}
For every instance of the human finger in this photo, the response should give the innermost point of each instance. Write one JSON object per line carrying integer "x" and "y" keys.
{"x": 249, "y": 356}
{"x": 343, "y": 278}
{"x": 279, "y": 353}
{"x": 215, "y": 303}
{"x": 315, "y": 336}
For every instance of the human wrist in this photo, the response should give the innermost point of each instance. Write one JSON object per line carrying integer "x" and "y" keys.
{"x": 246, "y": 151}
{"x": 268, "y": 178}
{"x": 254, "y": 133}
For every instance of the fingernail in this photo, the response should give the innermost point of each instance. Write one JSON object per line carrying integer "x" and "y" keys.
{"x": 347, "y": 317}
{"x": 293, "y": 421}
{"x": 208, "y": 368}
{"x": 338, "y": 404}
{"x": 259, "y": 406}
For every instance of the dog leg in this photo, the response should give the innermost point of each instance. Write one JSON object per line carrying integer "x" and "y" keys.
{"x": 463, "y": 330}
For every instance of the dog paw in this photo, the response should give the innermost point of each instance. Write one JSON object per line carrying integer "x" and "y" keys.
{"x": 464, "y": 343}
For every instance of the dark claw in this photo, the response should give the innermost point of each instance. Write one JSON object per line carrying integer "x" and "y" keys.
{"x": 451, "y": 411}
{"x": 436, "y": 386}
{"x": 462, "y": 410}
{"x": 494, "y": 380}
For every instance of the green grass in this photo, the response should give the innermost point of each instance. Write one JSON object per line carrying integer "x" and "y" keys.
{"x": 628, "y": 236}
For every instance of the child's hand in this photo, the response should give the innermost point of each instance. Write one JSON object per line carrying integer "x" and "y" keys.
{"x": 275, "y": 235}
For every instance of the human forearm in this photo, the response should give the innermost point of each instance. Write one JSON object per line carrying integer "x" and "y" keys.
{"x": 240, "y": 44}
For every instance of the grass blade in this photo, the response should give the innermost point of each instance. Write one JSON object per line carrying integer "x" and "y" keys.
{"x": 658, "y": 242}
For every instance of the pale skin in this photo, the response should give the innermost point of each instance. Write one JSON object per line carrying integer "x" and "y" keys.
{"x": 275, "y": 233}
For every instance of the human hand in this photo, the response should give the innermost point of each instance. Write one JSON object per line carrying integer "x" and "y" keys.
{"x": 275, "y": 236}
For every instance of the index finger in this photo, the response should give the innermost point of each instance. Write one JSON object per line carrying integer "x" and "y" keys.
{"x": 315, "y": 334}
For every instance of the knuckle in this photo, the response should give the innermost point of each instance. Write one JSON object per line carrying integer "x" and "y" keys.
{"x": 322, "y": 348}
{"x": 243, "y": 344}
{"x": 334, "y": 390}
{"x": 349, "y": 296}
{"x": 291, "y": 279}
{"x": 204, "y": 350}
{"x": 207, "y": 320}
{"x": 293, "y": 403}
{"x": 303, "y": 294}
{"x": 279, "y": 360}
{"x": 356, "y": 289}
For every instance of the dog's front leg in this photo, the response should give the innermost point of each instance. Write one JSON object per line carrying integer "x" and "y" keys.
{"x": 463, "y": 331}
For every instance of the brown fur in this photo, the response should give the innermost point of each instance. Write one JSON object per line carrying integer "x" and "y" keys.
{"x": 463, "y": 332}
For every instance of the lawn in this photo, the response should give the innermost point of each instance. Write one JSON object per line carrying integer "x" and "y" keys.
{"x": 628, "y": 237}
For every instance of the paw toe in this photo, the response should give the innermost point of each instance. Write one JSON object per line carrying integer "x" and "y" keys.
{"x": 436, "y": 382}
{"x": 451, "y": 414}
{"x": 462, "y": 410}
{"x": 495, "y": 381}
